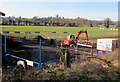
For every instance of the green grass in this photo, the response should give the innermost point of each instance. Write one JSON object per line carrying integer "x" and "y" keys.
{"x": 46, "y": 31}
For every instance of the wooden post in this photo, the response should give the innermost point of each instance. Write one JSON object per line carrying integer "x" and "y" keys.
{"x": 61, "y": 44}
{"x": 67, "y": 59}
{"x": 91, "y": 48}
{"x": 64, "y": 58}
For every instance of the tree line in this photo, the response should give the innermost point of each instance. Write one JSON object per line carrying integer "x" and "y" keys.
{"x": 55, "y": 21}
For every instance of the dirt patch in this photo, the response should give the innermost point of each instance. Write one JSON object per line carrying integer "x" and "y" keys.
{"x": 98, "y": 67}
{"x": 31, "y": 52}
{"x": 113, "y": 32}
{"x": 105, "y": 37}
{"x": 112, "y": 58}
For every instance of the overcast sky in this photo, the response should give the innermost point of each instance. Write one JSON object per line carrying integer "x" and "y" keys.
{"x": 90, "y": 10}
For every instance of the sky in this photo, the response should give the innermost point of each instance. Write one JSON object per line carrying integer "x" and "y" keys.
{"x": 89, "y": 10}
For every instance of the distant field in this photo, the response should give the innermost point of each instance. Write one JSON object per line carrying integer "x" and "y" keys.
{"x": 46, "y": 31}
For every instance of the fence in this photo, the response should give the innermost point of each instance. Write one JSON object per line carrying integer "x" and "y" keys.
{"x": 30, "y": 63}
{"x": 31, "y": 34}
{"x": 28, "y": 32}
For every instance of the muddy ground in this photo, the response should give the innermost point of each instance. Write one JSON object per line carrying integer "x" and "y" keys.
{"x": 31, "y": 50}
{"x": 85, "y": 66}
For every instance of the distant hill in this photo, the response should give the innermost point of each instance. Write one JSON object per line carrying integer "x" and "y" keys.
{"x": 52, "y": 21}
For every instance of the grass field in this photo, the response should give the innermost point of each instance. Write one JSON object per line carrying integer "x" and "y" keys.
{"x": 46, "y": 31}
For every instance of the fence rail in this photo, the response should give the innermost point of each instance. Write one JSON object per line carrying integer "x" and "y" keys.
{"x": 29, "y": 32}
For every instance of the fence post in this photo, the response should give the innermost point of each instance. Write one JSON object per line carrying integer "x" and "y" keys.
{"x": 61, "y": 44}
{"x": 4, "y": 44}
{"x": 67, "y": 59}
{"x": 91, "y": 48}
{"x": 40, "y": 54}
{"x": 4, "y": 50}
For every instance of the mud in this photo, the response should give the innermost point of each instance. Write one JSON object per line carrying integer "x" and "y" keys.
{"x": 82, "y": 64}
